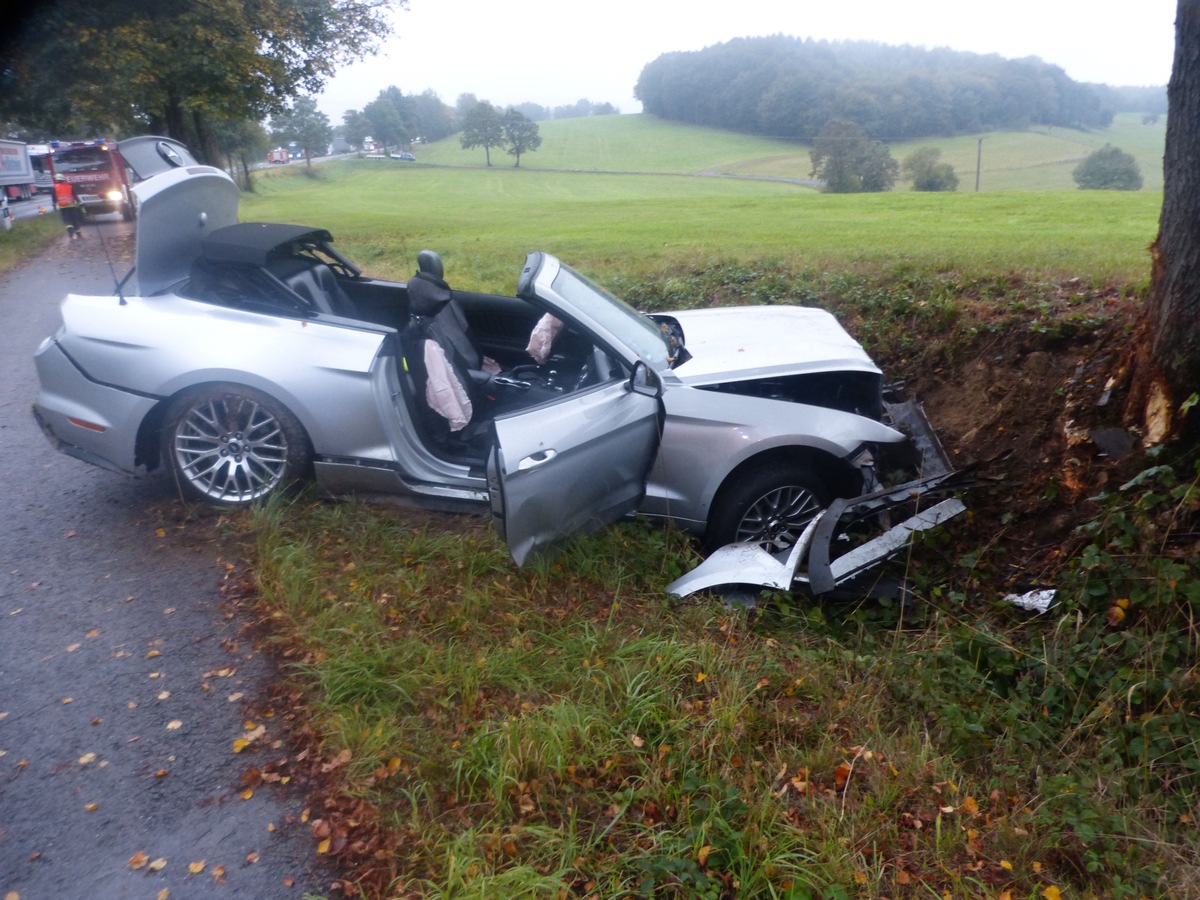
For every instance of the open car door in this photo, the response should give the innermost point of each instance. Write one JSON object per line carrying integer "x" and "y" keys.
{"x": 575, "y": 465}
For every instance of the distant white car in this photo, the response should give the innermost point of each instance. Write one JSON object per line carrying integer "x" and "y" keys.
{"x": 253, "y": 355}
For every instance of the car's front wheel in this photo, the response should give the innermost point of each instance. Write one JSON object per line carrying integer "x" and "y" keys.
{"x": 231, "y": 445}
{"x": 769, "y": 505}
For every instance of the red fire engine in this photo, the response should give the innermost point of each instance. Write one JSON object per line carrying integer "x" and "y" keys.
{"x": 98, "y": 174}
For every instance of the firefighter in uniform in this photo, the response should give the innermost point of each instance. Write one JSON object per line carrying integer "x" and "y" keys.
{"x": 68, "y": 207}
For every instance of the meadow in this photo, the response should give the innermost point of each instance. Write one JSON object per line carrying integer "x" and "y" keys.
{"x": 1040, "y": 158}
{"x": 484, "y": 221}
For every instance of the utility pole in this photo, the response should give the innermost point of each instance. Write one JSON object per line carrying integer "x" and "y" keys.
{"x": 978, "y": 164}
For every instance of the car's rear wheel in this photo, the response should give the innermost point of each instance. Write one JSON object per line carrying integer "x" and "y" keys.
{"x": 232, "y": 445}
{"x": 769, "y": 505}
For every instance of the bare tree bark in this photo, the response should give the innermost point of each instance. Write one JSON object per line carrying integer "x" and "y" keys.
{"x": 1166, "y": 344}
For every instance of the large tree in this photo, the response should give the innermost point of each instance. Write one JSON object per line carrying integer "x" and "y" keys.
{"x": 848, "y": 163}
{"x": 482, "y": 126}
{"x": 521, "y": 133}
{"x": 1108, "y": 169}
{"x": 1166, "y": 355}
{"x": 391, "y": 117}
{"x": 175, "y": 66}
{"x": 304, "y": 124}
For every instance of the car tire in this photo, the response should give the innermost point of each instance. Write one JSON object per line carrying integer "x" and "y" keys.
{"x": 231, "y": 445}
{"x": 768, "y": 505}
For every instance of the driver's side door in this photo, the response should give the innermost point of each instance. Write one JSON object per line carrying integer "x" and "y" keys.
{"x": 574, "y": 465}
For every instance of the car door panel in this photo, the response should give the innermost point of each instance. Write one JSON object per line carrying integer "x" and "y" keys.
{"x": 572, "y": 466}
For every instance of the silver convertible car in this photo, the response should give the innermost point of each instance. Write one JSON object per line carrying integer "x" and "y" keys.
{"x": 253, "y": 356}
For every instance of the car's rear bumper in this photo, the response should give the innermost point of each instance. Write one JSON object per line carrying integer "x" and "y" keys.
{"x": 93, "y": 422}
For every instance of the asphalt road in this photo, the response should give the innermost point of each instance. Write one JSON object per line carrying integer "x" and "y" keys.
{"x": 124, "y": 678}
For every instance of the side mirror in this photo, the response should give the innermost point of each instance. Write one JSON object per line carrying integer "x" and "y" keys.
{"x": 645, "y": 381}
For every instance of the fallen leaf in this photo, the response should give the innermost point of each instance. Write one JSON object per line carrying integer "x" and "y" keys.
{"x": 196, "y": 867}
{"x": 92, "y": 807}
{"x": 71, "y": 648}
{"x": 163, "y": 894}
{"x": 252, "y": 857}
{"x": 841, "y": 775}
{"x": 323, "y": 847}
{"x": 87, "y": 758}
{"x": 247, "y": 794}
{"x": 637, "y": 741}
{"x": 163, "y": 695}
{"x": 67, "y": 700}
{"x": 153, "y": 653}
{"x": 95, "y": 632}
{"x": 158, "y": 865}
{"x": 12, "y": 895}
{"x": 1006, "y": 865}
{"x": 234, "y": 697}
{"x": 162, "y": 773}
{"x": 288, "y": 880}
{"x": 1050, "y": 892}
{"x": 218, "y": 873}
{"x": 174, "y": 725}
{"x": 138, "y": 860}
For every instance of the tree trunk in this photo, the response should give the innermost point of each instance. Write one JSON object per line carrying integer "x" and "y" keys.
{"x": 1166, "y": 344}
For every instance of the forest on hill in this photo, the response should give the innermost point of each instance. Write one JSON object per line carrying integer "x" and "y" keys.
{"x": 791, "y": 87}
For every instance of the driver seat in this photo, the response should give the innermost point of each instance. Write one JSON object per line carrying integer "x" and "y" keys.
{"x": 436, "y": 300}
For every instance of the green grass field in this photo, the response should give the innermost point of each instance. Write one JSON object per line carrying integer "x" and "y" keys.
{"x": 1038, "y": 159}
{"x": 484, "y": 221}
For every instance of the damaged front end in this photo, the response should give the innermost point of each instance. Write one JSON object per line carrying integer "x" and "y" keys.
{"x": 810, "y": 564}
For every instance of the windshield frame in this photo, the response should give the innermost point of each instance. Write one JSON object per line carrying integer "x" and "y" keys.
{"x": 588, "y": 302}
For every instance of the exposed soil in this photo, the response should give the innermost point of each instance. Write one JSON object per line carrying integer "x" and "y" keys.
{"x": 1040, "y": 408}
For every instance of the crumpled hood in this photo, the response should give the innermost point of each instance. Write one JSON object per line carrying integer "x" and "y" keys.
{"x": 747, "y": 342}
{"x": 176, "y": 211}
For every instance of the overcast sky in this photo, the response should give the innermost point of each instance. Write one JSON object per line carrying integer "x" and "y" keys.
{"x": 554, "y": 52}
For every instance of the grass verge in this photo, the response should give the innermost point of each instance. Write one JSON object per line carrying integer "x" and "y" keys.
{"x": 564, "y": 731}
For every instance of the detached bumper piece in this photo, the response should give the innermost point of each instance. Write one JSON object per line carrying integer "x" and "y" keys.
{"x": 808, "y": 564}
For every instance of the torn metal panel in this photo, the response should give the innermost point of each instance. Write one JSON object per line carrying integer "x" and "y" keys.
{"x": 887, "y": 545}
{"x": 909, "y": 417}
{"x": 750, "y": 564}
{"x": 747, "y": 564}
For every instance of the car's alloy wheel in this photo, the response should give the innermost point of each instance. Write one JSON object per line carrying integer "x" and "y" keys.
{"x": 768, "y": 506}
{"x": 232, "y": 445}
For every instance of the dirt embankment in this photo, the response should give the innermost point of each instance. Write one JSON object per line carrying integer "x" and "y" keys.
{"x": 1042, "y": 404}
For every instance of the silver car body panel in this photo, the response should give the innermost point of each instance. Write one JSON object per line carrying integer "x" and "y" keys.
{"x": 749, "y": 565}
{"x": 571, "y": 466}
{"x": 177, "y": 209}
{"x": 709, "y": 434}
{"x": 743, "y": 343}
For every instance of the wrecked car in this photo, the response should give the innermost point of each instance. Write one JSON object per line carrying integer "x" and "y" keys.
{"x": 254, "y": 355}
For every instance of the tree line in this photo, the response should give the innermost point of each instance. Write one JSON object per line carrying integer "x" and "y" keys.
{"x": 791, "y": 87}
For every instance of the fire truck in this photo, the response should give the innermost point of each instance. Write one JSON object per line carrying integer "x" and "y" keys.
{"x": 97, "y": 172}
{"x": 278, "y": 155}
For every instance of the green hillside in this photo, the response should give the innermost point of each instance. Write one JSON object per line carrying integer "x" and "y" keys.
{"x": 1041, "y": 159}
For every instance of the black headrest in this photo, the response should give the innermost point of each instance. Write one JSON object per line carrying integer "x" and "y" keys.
{"x": 426, "y": 295}
{"x": 431, "y": 264}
